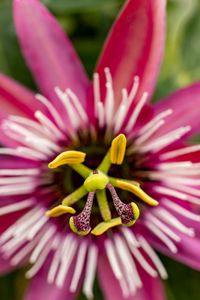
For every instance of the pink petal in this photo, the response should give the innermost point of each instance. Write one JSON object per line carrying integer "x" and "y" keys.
{"x": 39, "y": 288}
{"x": 152, "y": 287}
{"x": 188, "y": 251}
{"x": 4, "y": 265}
{"x": 185, "y": 104}
{"x": 15, "y": 99}
{"x": 47, "y": 50}
{"x": 135, "y": 46}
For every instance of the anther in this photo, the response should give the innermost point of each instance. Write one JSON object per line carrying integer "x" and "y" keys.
{"x": 67, "y": 157}
{"x": 128, "y": 213}
{"x": 118, "y": 149}
{"x": 80, "y": 224}
{"x": 60, "y": 210}
{"x": 127, "y": 186}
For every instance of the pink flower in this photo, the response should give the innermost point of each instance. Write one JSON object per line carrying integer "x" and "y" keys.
{"x": 83, "y": 120}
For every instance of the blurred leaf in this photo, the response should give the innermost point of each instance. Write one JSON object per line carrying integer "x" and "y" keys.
{"x": 70, "y": 6}
{"x": 181, "y": 61}
{"x": 11, "y": 60}
{"x": 183, "y": 282}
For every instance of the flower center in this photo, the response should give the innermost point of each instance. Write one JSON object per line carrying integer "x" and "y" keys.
{"x": 96, "y": 183}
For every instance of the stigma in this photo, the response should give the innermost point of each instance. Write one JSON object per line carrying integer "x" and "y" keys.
{"x": 97, "y": 183}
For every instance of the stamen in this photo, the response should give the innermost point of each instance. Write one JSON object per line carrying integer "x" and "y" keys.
{"x": 80, "y": 224}
{"x": 67, "y": 157}
{"x": 128, "y": 213}
{"x": 117, "y": 150}
{"x": 60, "y": 210}
{"x": 105, "y": 226}
{"x": 124, "y": 185}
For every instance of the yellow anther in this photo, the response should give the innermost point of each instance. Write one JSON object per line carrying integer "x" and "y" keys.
{"x": 136, "y": 191}
{"x": 60, "y": 210}
{"x": 118, "y": 149}
{"x": 104, "y": 226}
{"x": 75, "y": 230}
{"x": 67, "y": 157}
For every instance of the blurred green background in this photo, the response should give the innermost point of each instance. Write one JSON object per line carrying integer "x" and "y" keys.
{"x": 87, "y": 22}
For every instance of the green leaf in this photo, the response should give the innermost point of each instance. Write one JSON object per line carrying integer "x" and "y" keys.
{"x": 69, "y": 6}
{"x": 11, "y": 60}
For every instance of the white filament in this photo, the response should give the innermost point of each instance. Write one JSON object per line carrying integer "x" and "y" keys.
{"x": 91, "y": 266}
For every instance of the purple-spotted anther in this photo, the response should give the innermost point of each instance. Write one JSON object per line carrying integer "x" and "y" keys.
{"x": 122, "y": 180}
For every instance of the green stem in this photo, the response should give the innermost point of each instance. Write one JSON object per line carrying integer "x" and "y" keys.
{"x": 81, "y": 169}
{"x": 103, "y": 205}
{"x": 105, "y": 164}
{"x": 75, "y": 196}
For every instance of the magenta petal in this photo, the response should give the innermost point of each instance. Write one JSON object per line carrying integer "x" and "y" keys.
{"x": 39, "y": 288}
{"x": 47, "y": 50}
{"x": 152, "y": 287}
{"x": 135, "y": 45}
{"x": 188, "y": 250}
{"x": 16, "y": 99}
{"x": 185, "y": 104}
{"x": 4, "y": 266}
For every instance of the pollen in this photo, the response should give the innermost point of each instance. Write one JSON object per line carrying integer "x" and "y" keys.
{"x": 95, "y": 184}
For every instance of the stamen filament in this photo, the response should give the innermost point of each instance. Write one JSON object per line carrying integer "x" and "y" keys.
{"x": 81, "y": 169}
{"x": 75, "y": 196}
